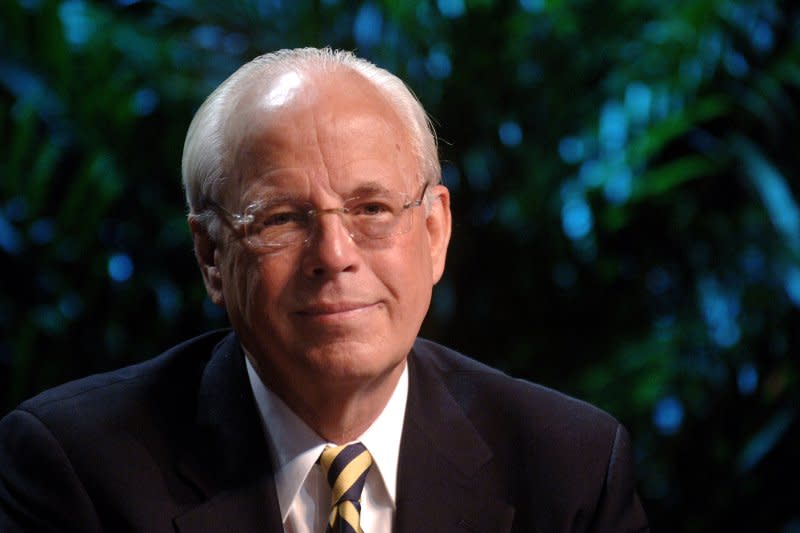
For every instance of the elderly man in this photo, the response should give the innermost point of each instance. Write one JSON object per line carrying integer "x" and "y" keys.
{"x": 320, "y": 225}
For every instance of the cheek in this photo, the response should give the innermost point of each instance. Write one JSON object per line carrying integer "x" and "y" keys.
{"x": 243, "y": 284}
{"x": 421, "y": 256}
{"x": 410, "y": 273}
{"x": 270, "y": 283}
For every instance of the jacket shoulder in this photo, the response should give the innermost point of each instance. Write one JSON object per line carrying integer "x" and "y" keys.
{"x": 108, "y": 391}
{"x": 106, "y": 445}
{"x": 529, "y": 406}
{"x": 563, "y": 463}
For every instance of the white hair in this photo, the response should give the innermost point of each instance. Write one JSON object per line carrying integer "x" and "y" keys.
{"x": 205, "y": 150}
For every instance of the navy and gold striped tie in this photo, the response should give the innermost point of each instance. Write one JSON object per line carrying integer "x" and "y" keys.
{"x": 346, "y": 468}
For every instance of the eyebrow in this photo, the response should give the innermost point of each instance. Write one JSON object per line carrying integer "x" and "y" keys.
{"x": 269, "y": 197}
{"x": 272, "y": 199}
{"x": 372, "y": 187}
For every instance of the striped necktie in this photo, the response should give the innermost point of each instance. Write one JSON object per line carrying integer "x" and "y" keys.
{"x": 346, "y": 469}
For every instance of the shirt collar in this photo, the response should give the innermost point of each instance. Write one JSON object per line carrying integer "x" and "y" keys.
{"x": 296, "y": 447}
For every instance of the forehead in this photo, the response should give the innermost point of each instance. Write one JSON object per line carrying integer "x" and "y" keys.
{"x": 332, "y": 131}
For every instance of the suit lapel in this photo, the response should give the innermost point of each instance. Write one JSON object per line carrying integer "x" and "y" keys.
{"x": 253, "y": 507}
{"x": 446, "y": 477}
{"x": 229, "y": 461}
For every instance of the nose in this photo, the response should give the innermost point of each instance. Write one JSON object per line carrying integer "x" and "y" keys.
{"x": 330, "y": 248}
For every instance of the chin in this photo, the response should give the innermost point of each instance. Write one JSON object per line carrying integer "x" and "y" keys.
{"x": 352, "y": 360}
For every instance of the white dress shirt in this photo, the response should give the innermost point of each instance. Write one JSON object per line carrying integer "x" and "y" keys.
{"x": 304, "y": 494}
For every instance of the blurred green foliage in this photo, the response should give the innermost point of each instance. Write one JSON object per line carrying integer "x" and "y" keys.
{"x": 624, "y": 179}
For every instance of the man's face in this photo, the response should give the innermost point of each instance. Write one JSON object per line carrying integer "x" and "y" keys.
{"x": 331, "y": 309}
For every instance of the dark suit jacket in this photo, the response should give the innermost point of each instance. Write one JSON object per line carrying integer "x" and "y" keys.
{"x": 175, "y": 444}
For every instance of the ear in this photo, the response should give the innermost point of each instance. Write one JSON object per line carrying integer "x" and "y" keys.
{"x": 205, "y": 251}
{"x": 438, "y": 224}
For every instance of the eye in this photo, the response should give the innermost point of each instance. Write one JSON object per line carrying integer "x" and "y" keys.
{"x": 283, "y": 218}
{"x": 280, "y": 217}
{"x": 377, "y": 206}
{"x": 371, "y": 209}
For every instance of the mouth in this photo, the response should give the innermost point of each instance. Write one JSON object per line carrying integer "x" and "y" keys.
{"x": 335, "y": 310}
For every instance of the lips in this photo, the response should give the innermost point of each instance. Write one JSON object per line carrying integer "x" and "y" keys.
{"x": 333, "y": 308}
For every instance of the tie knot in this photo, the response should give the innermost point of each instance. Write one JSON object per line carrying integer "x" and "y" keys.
{"x": 346, "y": 468}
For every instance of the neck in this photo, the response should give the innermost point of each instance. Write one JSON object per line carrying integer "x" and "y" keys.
{"x": 339, "y": 413}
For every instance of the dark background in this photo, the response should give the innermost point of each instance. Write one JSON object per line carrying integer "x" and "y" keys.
{"x": 624, "y": 179}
